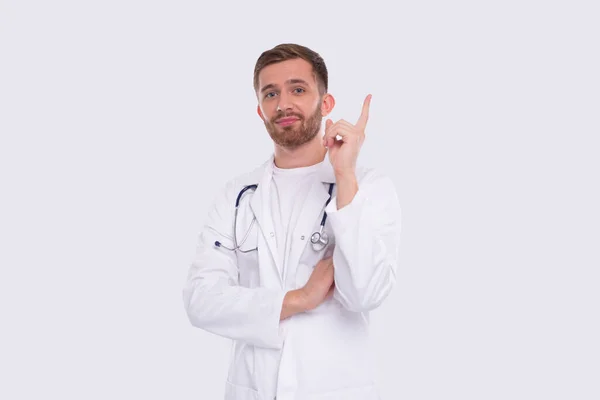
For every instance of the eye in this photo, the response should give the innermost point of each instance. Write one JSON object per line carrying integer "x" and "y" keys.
{"x": 269, "y": 95}
{"x": 299, "y": 90}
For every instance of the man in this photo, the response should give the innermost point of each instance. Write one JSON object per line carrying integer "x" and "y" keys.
{"x": 292, "y": 275}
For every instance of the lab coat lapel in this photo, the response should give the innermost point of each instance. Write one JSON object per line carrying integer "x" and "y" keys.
{"x": 309, "y": 219}
{"x": 261, "y": 207}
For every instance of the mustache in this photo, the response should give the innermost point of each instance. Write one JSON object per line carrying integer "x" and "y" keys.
{"x": 284, "y": 115}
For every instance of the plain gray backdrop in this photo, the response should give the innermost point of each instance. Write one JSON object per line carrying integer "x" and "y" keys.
{"x": 120, "y": 120}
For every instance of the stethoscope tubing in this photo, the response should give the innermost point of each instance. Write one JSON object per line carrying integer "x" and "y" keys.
{"x": 315, "y": 237}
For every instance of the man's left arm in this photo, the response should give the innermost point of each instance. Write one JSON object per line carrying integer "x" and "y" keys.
{"x": 366, "y": 222}
{"x": 365, "y": 217}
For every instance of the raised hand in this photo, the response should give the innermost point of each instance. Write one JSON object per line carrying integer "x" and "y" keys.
{"x": 343, "y": 153}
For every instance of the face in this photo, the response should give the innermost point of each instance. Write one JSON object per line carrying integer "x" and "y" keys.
{"x": 289, "y": 102}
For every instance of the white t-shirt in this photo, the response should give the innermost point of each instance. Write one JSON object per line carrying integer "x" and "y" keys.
{"x": 288, "y": 192}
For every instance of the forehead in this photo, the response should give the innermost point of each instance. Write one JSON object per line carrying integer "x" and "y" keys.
{"x": 279, "y": 73}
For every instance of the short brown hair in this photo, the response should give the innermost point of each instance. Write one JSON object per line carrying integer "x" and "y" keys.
{"x": 290, "y": 51}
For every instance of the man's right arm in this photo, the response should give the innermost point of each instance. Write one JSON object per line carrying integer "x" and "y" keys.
{"x": 213, "y": 299}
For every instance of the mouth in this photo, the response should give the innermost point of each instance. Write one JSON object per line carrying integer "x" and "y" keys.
{"x": 286, "y": 121}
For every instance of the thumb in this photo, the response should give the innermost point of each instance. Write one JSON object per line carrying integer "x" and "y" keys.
{"x": 328, "y": 124}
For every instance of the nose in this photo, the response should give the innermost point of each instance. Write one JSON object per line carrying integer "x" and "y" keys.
{"x": 285, "y": 102}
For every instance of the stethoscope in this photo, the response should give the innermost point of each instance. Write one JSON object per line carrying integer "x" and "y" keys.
{"x": 318, "y": 239}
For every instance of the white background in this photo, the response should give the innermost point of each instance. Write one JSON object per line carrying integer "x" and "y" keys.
{"x": 120, "y": 120}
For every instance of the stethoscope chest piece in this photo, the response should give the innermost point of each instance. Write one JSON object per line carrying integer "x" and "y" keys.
{"x": 319, "y": 240}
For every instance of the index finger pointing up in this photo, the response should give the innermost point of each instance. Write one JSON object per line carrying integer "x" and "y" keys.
{"x": 364, "y": 115}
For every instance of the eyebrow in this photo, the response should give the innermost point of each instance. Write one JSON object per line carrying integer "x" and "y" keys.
{"x": 288, "y": 82}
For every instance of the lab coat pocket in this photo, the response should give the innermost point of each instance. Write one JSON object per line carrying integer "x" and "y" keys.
{"x": 241, "y": 381}
{"x": 236, "y": 392}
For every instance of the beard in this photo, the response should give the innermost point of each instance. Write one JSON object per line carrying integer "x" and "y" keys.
{"x": 291, "y": 137}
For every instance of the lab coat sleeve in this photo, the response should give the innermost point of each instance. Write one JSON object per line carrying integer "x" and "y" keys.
{"x": 367, "y": 236}
{"x": 212, "y": 297}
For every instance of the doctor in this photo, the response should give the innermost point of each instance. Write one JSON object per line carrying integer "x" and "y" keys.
{"x": 291, "y": 273}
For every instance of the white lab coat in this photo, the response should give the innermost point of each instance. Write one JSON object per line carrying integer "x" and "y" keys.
{"x": 322, "y": 354}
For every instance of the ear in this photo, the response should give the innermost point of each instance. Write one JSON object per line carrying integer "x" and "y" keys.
{"x": 327, "y": 104}
{"x": 259, "y": 111}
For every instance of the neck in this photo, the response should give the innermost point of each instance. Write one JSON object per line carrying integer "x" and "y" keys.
{"x": 308, "y": 154}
